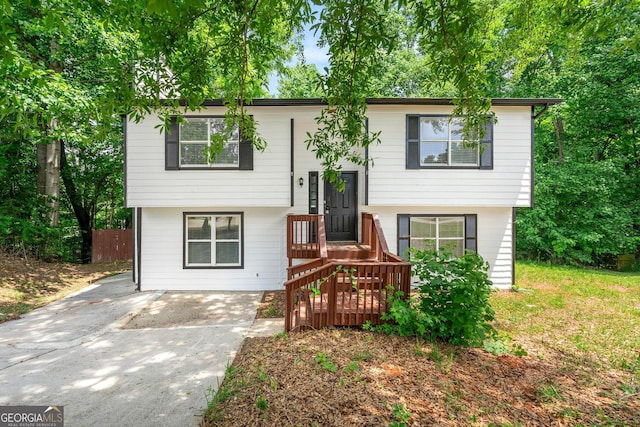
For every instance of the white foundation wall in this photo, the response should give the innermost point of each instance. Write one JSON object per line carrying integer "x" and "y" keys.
{"x": 494, "y": 238}
{"x": 162, "y": 247}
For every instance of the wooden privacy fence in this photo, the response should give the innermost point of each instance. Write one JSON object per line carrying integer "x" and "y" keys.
{"x": 112, "y": 245}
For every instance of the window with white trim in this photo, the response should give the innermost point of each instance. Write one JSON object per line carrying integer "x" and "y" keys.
{"x": 196, "y": 137}
{"x": 436, "y": 141}
{"x": 441, "y": 143}
{"x": 213, "y": 240}
{"x": 453, "y": 233}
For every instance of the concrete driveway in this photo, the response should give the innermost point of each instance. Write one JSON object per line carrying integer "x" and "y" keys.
{"x": 85, "y": 353}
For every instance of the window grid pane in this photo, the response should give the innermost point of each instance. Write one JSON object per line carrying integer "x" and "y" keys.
{"x": 193, "y": 154}
{"x": 461, "y": 155}
{"x": 434, "y": 153}
{"x": 434, "y": 128}
{"x": 199, "y": 253}
{"x": 228, "y": 156}
{"x": 213, "y": 246}
{"x": 199, "y": 228}
{"x": 195, "y": 138}
{"x": 194, "y": 129}
{"x": 441, "y": 143}
{"x": 441, "y": 233}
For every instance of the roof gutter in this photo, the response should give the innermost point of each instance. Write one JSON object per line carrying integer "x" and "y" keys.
{"x": 284, "y": 102}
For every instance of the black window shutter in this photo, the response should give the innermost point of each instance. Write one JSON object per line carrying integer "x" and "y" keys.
{"x": 413, "y": 142}
{"x": 486, "y": 148}
{"x": 403, "y": 236}
{"x": 471, "y": 232}
{"x": 172, "y": 146}
{"x": 246, "y": 155}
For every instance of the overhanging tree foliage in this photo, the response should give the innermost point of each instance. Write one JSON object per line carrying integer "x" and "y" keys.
{"x": 203, "y": 49}
{"x": 73, "y": 65}
{"x": 587, "y": 163}
{"x": 67, "y": 70}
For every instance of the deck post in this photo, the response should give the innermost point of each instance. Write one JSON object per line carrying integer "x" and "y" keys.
{"x": 331, "y": 301}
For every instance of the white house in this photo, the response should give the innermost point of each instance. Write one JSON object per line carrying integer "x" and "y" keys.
{"x": 222, "y": 225}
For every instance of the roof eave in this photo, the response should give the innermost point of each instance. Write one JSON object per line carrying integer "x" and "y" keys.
{"x": 286, "y": 102}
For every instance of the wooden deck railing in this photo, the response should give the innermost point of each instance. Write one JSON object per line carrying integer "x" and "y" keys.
{"x": 323, "y": 293}
{"x": 373, "y": 236}
{"x": 347, "y": 294}
{"x": 305, "y": 267}
{"x": 306, "y": 237}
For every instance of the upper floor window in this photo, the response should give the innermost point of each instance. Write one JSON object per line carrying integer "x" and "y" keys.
{"x": 437, "y": 142}
{"x": 441, "y": 143}
{"x": 187, "y": 145}
{"x": 196, "y": 137}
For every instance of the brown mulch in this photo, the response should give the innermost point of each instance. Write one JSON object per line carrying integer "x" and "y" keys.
{"x": 26, "y": 284}
{"x": 272, "y": 305}
{"x": 352, "y": 377}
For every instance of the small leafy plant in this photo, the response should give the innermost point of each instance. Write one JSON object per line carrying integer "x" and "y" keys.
{"x": 261, "y": 403}
{"x": 452, "y": 302}
{"x": 401, "y": 415}
{"x": 454, "y": 293}
{"x": 323, "y": 360}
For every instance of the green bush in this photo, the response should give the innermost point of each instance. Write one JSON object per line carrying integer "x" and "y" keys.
{"x": 452, "y": 302}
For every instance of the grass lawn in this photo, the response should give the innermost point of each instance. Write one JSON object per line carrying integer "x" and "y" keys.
{"x": 580, "y": 329}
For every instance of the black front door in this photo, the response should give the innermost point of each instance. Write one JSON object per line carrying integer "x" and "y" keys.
{"x": 341, "y": 208}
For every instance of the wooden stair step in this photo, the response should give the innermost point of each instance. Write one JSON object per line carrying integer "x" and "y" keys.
{"x": 346, "y": 251}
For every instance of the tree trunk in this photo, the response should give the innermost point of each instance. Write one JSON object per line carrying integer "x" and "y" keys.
{"x": 48, "y": 177}
{"x": 81, "y": 211}
{"x": 48, "y": 156}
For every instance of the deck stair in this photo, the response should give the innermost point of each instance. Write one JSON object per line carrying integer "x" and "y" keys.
{"x": 349, "y": 250}
{"x": 339, "y": 283}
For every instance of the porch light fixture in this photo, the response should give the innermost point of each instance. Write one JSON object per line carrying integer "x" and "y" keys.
{"x": 301, "y": 181}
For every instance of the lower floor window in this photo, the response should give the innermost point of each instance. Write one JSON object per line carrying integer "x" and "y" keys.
{"x": 452, "y": 233}
{"x": 213, "y": 239}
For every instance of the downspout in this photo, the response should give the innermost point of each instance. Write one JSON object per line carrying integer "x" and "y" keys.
{"x": 366, "y": 168}
{"x": 291, "y": 163}
{"x": 534, "y": 116}
{"x": 541, "y": 112}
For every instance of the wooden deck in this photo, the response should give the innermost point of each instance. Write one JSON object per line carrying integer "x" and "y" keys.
{"x": 348, "y": 285}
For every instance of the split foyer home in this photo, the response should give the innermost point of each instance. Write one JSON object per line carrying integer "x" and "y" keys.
{"x": 251, "y": 220}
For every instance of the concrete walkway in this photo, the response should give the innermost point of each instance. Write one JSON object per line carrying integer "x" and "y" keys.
{"x": 82, "y": 353}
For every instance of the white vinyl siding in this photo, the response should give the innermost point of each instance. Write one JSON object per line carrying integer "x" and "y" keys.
{"x": 162, "y": 245}
{"x": 149, "y": 184}
{"x": 508, "y": 184}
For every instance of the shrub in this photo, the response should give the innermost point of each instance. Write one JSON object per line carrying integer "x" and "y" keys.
{"x": 452, "y": 301}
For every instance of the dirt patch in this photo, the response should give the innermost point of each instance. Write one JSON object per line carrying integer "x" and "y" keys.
{"x": 346, "y": 377}
{"x": 197, "y": 309}
{"x": 26, "y": 284}
{"x": 272, "y": 305}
